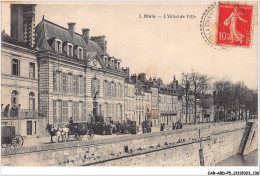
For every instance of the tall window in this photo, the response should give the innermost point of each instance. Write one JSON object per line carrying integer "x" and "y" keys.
{"x": 16, "y": 67}
{"x": 70, "y": 109}
{"x": 57, "y": 111}
{"x": 70, "y": 83}
{"x": 95, "y": 86}
{"x": 75, "y": 110}
{"x": 64, "y": 82}
{"x": 31, "y": 101}
{"x": 14, "y": 98}
{"x": 80, "y": 118}
{"x": 32, "y": 70}
{"x": 80, "y": 84}
{"x": 65, "y": 117}
{"x": 75, "y": 84}
{"x": 58, "y": 77}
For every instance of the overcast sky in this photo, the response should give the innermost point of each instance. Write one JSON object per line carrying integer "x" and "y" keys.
{"x": 159, "y": 47}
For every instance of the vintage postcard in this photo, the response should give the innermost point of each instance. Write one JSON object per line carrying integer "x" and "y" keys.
{"x": 130, "y": 84}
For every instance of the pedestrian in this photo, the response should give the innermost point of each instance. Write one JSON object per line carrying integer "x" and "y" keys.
{"x": 173, "y": 126}
{"x": 161, "y": 127}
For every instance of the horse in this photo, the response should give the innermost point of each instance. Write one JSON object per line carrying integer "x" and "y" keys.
{"x": 60, "y": 132}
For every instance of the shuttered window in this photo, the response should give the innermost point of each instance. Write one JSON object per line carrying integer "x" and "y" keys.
{"x": 75, "y": 111}
{"x": 80, "y": 109}
{"x": 95, "y": 86}
{"x": 65, "y": 117}
{"x": 80, "y": 84}
{"x": 58, "y": 78}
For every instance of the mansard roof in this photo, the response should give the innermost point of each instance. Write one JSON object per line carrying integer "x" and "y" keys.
{"x": 46, "y": 30}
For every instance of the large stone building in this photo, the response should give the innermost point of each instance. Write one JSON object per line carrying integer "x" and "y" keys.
{"x": 19, "y": 96}
{"x": 77, "y": 77}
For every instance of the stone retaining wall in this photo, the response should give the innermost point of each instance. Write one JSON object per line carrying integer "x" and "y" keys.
{"x": 169, "y": 148}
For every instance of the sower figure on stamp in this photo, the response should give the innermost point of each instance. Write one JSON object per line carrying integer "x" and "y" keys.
{"x": 235, "y": 35}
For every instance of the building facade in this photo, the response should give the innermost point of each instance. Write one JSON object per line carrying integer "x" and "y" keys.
{"x": 19, "y": 70}
{"x": 78, "y": 78}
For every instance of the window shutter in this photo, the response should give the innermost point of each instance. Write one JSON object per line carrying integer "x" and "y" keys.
{"x": 92, "y": 87}
{"x": 74, "y": 111}
{"x": 54, "y": 81}
{"x": 84, "y": 111}
{"x": 85, "y": 86}
{"x": 74, "y": 84}
{"x": 104, "y": 88}
{"x": 63, "y": 112}
{"x": 54, "y": 112}
{"x": 98, "y": 87}
{"x": 18, "y": 67}
{"x": 66, "y": 82}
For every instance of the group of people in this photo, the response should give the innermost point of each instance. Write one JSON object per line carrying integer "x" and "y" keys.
{"x": 176, "y": 125}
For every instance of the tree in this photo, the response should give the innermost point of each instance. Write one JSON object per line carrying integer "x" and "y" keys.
{"x": 185, "y": 94}
{"x": 199, "y": 84}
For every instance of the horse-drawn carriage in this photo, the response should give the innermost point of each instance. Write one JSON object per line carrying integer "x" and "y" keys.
{"x": 72, "y": 130}
{"x": 9, "y": 138}
{"x": 80, "y": 129}
{"x": 127, "y": 127}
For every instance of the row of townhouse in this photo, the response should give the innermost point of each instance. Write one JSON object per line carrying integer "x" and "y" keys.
{"x": 51, "y": 74}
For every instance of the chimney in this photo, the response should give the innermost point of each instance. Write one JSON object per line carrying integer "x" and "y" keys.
{"x": 71, "y": 28}
{"x": 134, "y": 78}
{"x": 127, "y": 73}
{"x": 100, "y": 40}
{"x": 85, "y": 35}
{"x": 23, "y": 23}
{"x": 142, "y": 77}
{"x": 174, "y": 83}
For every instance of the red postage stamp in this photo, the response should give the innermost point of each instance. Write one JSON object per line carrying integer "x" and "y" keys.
{"x": 234, "y": 24}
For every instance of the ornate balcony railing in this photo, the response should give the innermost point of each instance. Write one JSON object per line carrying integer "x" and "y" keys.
{"x": 20, "y": 114}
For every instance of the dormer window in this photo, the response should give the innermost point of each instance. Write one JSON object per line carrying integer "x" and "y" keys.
{"x": 70, "y": 49}
{"x": 105, "y": 61}
{"x": 80, "y": 53}
{"x": 118, "y": 65}
{"x": 58, "y": 45}
{"x": 115, "y": 64}
{"x": 112, "y": 63}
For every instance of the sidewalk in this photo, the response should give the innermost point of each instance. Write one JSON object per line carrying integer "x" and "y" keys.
{"x": 47, "y": 140}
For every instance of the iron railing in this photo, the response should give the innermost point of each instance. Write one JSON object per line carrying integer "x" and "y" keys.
{"x": 20, "y": 114}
